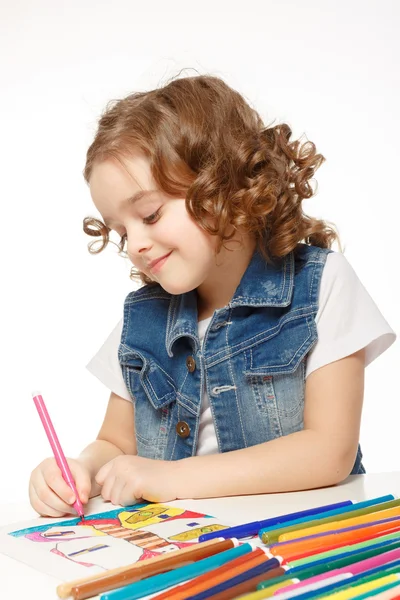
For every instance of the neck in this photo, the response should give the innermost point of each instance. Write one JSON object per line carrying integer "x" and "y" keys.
{"x": 219, "y": 287}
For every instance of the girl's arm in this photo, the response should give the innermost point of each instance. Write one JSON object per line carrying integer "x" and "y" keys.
{"x": 116, "y": 437}
{"x": 320, "y": 455}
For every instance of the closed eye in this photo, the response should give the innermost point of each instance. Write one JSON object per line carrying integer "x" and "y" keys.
{"x": 153, "y": 218}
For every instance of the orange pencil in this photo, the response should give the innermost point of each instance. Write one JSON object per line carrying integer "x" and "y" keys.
{"x": 368, "y": 518}
{"x": 279, "y": 550}
{"x": 289, "y": 550}
{"x": 203, "y": 582}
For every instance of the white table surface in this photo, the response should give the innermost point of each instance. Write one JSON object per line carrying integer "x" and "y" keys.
{"x": 19, "y": 581}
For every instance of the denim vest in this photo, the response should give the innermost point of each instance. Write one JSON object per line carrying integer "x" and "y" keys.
{"x": 252, "y": 361}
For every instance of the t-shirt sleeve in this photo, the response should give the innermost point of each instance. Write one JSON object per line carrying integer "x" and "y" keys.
{"x": 105, "y": 364}
{"x": 347, "y": 319}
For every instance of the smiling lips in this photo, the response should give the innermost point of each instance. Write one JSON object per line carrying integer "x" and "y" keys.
{"x": 155, "y": 265}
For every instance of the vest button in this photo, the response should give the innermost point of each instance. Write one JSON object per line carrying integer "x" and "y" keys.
{"x": 183, "y": 429}
{"x": 191, "y": 364}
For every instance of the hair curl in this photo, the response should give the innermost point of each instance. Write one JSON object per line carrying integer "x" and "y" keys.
{"x": 207, "y": 144}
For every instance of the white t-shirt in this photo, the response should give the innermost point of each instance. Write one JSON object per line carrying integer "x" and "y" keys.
{"x": 347, "y": 321}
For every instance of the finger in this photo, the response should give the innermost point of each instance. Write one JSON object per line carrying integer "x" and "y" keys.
{"x": 41, "y": 507}
{"x": 54, "y": 480}
{"x": 49, "y": 497}
{"x": 116, "y": 490}
{"x": 82, "y": 482}
{"x": 127, "y": 496}
{"x": 103, "y": 472}
{"x": 107, "y": 487}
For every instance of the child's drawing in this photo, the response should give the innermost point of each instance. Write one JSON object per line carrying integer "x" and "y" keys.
{"x": 72, "y": 548}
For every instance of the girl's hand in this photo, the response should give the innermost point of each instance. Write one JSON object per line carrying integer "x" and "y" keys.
{"x": 50, "y": 495}
{"x": 126, "y": 478}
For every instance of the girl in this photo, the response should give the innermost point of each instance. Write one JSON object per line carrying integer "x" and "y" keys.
{"x": 238, "y": 367}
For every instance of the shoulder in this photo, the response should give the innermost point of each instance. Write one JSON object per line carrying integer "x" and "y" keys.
{"x": 338, "y": 274}
{"x": 304, "y": 253}
{"x": 309, "y": 260}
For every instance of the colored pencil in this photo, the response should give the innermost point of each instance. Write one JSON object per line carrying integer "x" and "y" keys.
{"x": 345, "y": 548}
{"x": 340, "y": 524}
{"x": 347, "y": 509}
{"x": 389, "y": 544}
{"x": 272, "y": 574}
{"x": 364, "y": 588}
{"x": 193, "y": 552}
{"x": 326, "y": 587}
{"x": 305, "y": 587}
{"x": 159, "y": 582}
{"x": 231, "y": 584}
{"x": 316, "y": 588}
{"x": 331, "y": 542}
{"x": 353, "y": 558}
{"x": 310, "y": 574}
{"x": 330, "y": 580}
{"x": 265, "y": 593}
{"x": 249, "y": 529}
{"x": 269, "y": 536}
{"x": 392, "y": 594}
{"x": 293, "y": 547}
{"x": 391, "y": 587}
{"x": 140, "y": 571}
{"x": 247, "y": 586}
{"x": 254, "y": 594}
{"x": 243, "y": 563}
{"x": 332, "y": 569}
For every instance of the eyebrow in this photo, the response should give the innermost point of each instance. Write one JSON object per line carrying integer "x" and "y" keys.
{"x": 138, "y": 196}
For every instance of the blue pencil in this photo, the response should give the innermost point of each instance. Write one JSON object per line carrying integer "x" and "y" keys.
{"x": 154, "y": 584}
{"x": 248, "y": 529}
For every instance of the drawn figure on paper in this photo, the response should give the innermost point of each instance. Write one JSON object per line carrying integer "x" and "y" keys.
{"x": 121, "y": 536}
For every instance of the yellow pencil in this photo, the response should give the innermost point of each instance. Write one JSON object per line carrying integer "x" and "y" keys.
{"x": 369, "y": 518}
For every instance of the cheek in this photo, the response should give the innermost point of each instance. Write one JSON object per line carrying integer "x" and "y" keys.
{"x": 196, "y": 238}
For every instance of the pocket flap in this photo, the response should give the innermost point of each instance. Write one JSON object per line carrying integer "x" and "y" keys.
{"x": 145, "y": 374}
{"x": 283, "y": 352}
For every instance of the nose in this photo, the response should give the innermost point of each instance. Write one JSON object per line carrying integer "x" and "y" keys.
{"x": 138, "y": 244}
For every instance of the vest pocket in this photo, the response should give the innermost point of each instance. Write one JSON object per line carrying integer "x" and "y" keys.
{"x": 275, "y": 375}
{"x": 145, "y": 375}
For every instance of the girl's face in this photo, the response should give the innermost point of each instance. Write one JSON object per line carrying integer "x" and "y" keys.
{"x": 162, "y": 240}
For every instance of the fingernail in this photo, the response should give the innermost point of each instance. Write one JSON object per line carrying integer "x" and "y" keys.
{"x": 71, "y": 499}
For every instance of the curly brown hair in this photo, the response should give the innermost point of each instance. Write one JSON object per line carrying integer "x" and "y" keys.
{"x": 205, "y": 143}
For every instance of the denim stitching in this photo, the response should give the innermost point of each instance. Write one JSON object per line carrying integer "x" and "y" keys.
{"x": 243, "y": 346}
{"x": 237, "y": 400}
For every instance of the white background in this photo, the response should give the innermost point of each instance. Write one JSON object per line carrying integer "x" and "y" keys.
{"x": 328, "y": 69}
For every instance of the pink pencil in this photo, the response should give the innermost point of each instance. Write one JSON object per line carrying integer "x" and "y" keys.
{"x": 352, "y": 569}
{"x": 57, "y": 450}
